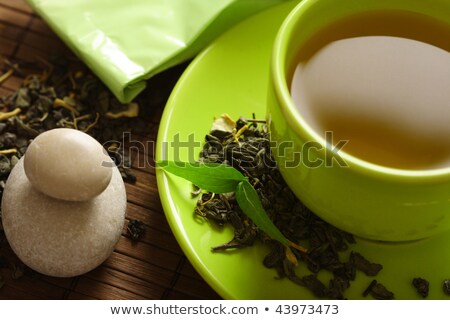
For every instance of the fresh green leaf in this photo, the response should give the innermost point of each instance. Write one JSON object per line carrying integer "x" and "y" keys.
{"x": 249, "y": 202}
{"x": 213, "y": 177}
{"x": 221, "y": 178}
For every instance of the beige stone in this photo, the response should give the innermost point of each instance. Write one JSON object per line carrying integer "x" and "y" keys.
{"x": 68, "y": 164}
{"x": 62, "y": 238}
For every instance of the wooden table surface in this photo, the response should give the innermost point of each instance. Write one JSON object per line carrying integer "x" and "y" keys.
{"x": 153, "y": 267}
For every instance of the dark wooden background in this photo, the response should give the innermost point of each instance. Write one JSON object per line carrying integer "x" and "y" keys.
{"x": 152, "y": 268}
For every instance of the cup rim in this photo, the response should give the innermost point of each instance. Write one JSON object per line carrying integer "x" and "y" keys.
{"x": 301, "y": 127}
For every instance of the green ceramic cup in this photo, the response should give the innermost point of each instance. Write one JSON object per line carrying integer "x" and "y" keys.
{"x": 365, "y": 199}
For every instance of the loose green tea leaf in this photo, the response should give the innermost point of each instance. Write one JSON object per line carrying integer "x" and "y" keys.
{"x": 369, "y": 288}
{"x": 336, "y": 288}
{"x": 248, "y": 200}
{"x": 446, "y": 286}
{"x": 380, "y": 292}
{"x": 422, "y": 286}
{"x": 361, "y": 263}
{"x": 136, "y": 229}
{"x": 315, "y": 285}
{"x": 213, "y": 177}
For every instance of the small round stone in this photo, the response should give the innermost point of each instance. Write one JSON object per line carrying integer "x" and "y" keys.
{"x": 61, "y": 238}
{"x": 68, "y": 164}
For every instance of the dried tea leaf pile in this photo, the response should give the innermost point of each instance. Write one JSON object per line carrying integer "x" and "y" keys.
{"x": 245, "y": 145}
{"x": 64, "y": 96}
{"x": 62, "y": 93}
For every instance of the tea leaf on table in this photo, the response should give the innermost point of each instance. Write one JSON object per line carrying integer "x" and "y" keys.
{"x": 136, "y": 229}
{"x": 213, "y": 177}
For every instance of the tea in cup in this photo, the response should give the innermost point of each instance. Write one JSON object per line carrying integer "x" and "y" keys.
{"x": 359, "y": 113}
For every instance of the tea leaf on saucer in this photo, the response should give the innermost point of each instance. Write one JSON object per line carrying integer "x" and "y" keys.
{"x": 249, "y": 202}
{"x": 446, "y": 286}
{"x": 213, "y": 177}
{"x": 380, "y": 292}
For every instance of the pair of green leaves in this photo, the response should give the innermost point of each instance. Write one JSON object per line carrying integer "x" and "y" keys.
{"x": 221, "y": 178}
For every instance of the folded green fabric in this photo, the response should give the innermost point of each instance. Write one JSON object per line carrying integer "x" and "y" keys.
{"x": 126, "y": 42}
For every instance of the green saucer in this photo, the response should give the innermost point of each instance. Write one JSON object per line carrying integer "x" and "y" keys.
{"x": 231, "y": 76}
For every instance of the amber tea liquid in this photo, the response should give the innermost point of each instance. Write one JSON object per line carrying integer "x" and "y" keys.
{"x": 382, "y": 82}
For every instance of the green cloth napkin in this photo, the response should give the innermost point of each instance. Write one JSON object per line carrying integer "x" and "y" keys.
{"x": 126, "y": 42}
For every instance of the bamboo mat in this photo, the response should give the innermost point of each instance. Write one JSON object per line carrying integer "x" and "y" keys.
{"x": 152, "y": 268}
